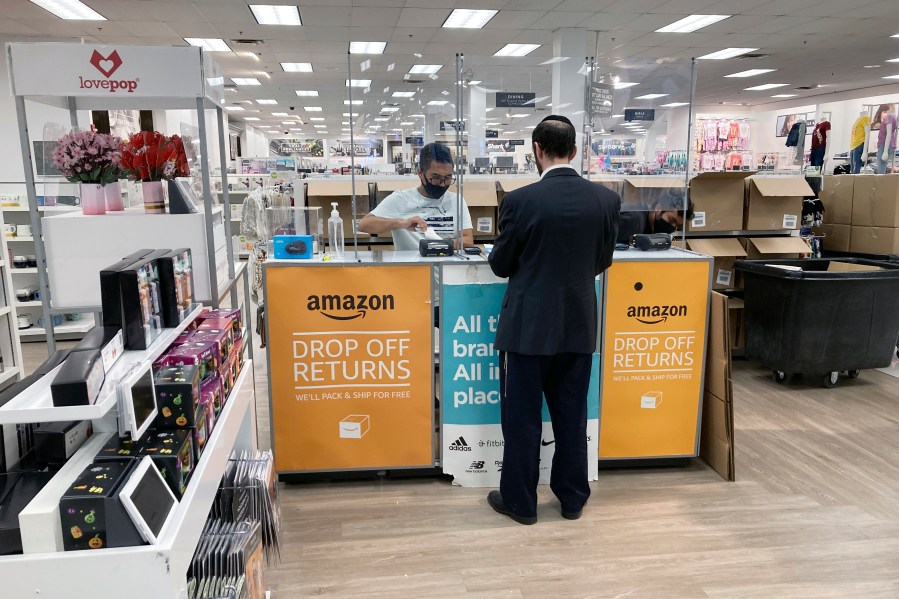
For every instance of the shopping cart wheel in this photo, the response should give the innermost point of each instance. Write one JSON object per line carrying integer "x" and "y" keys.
{"x": 781, "y": 377}
{"x": 853, "y": 374}
{"x": 832, "y": 379}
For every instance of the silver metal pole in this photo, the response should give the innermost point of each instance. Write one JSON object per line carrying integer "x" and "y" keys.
{"x": 207, "y": 202}
{"x": 73, "y": 111}
{"x": 460, "y": 126}
{"x": 36, "y": 230}
{"x": 689, "y": 146}
{"x": 349, "y": 74}
{"x": 226, "y": 202}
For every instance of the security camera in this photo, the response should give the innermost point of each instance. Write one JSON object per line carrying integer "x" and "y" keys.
{"x": 286, "y": 132}
{"x": 292, "y": 108}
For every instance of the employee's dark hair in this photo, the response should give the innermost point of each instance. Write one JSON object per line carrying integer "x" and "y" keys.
{"x": 555, "y": 134}
{"x": 434, "y": 152}
{"x": 673, "y": 201}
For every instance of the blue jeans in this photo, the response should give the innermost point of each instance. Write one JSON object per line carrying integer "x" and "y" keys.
{"x": 855, "y": 159}
{"x": 881, "y": 163}
{"x": 816, "y": 157}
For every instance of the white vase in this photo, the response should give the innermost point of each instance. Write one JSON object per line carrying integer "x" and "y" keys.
{"x": 114, "y": 201}
{"x": 154, "y": 197}
{"x": 93, "y": 198}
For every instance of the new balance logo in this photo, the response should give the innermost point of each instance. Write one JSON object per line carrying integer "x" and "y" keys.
{"x": 459, "y": 445}
{"x": 476, "y": 466}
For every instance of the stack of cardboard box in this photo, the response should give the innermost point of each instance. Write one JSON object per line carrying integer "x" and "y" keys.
{"x": 861, "y": 214}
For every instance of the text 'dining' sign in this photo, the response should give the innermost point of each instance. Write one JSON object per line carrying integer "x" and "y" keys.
{"x": 350, "y": 358}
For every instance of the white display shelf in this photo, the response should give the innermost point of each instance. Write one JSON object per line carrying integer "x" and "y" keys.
{"x": 5, "y": 310}
{"x": 30, "y": 304}
{"x": 148, "y": 571}
{"x": 17, "y": 238}
{"x": 23, "y": 271}
{"x": 35, "y": 404}
{"x": 41, "y": 208}
{"x": 239, "y": 267}
{"x": 70, "y": 326}
{"x": 8, "y": 373}
{"x": 2, "y": 263}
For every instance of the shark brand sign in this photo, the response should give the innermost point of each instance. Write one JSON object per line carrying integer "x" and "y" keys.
{"x": 108, "y": 71}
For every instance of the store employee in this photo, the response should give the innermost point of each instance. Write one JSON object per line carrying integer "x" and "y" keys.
{"x": 408, "y": 213}
{"x": 665, "y": 216}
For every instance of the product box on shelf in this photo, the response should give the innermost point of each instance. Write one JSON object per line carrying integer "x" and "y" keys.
{"x": 293, "y": 247}
{"x": 205, "y": 355}
{"x": 177, "y": 396}
{"x": 775, "y": 203}
{"x": 91, "y": 513}
{"x": 212, "y": 393}
{"x": 775, "y": 248}
{"x": 118, "y": 448}
{"x": 875, "y": 201}
{"x": 176, "y": 286}
{"x": 173, "y": 453}
{"x": 183, "y": 338}
{"x": 109, "y": 341}
{"x": 111, "y": 290}
{"x": 79, "y": 380}
{"x": 647, "y": 190}
{"x": 835, "y": 237}
{"x": 223, "y": 337}
{"x": 718, "y": 201}
{"x": 141, "y": 306}
{"x": 482, "y": 200}
{"x": 56, "y": 442}
{"x": 234, "y": 315}
{"x": 837, "y": 195}
{"x": 874, "y": 240}
{"x": 725, "y": 251}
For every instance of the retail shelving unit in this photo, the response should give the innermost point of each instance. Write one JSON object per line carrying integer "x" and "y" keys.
{"x": 10, "y": 347}
{"x": 148, "y": 571}
{"x": 160, "y": 78}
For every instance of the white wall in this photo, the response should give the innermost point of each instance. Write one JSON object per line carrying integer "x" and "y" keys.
{"x": 253, "y": 143}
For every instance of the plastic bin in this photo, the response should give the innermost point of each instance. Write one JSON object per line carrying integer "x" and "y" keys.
{"x": 820, "y": 316}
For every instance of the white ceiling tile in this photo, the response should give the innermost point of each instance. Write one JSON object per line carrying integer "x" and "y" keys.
{"x": 555, "y": 20}
{"x": 583, "y": 5}
{"x": 651, "y": 22}
{"x": 318, "y": 16}
{"x": 10, "y": 27}
{"x": 543, "y": 5}
{"x": 378, "y": 17}
{"x": 514, "y": 19}
{"x": 884, "y": 8}
{"x": 193, "y": 29}
{"x": 606, "y": 21}
{"x": 635, "y": 7}
{"x": 411, "y": 34}
{"x": 423, "y": 17}
{"x": 685, "y": 7}
{"x": 480, "y": 4}
{"x": 219, "y": 12}
{"x": 147, "y": 28}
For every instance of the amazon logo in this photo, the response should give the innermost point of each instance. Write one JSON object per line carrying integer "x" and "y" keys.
{"x": 655, "y": 314}
{"x": 348, "y": 307}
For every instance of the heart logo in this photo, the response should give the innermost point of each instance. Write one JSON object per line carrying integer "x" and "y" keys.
{"x": 106, "y": 64}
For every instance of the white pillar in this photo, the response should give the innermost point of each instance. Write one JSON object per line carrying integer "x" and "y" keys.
{"x": 569, "y": 80}
{"x": 477, "y": 122}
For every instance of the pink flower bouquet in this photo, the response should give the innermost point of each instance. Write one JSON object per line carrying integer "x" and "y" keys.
{"x": 89, "y": 157}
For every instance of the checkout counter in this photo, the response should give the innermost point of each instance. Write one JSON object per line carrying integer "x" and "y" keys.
{"x": 355, "y": 363}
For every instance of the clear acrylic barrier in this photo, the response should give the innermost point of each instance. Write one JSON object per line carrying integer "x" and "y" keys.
{"x": 289, "y": 220}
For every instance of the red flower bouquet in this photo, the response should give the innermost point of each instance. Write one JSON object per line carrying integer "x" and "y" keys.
{"x": 151, "y": 156}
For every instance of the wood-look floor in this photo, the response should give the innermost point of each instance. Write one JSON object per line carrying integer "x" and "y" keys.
{"x": 814, "y": 514}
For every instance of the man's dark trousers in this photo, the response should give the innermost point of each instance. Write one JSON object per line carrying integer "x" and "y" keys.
{"x": 524, "y": 379}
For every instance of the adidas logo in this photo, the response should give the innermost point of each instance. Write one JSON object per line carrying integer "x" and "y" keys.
{"x": 459, "y": 445}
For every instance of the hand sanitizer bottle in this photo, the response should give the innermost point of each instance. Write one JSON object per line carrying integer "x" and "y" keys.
{"x": 335, "y": 232}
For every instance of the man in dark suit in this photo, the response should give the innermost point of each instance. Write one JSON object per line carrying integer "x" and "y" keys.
{"x": 556, "y": 236}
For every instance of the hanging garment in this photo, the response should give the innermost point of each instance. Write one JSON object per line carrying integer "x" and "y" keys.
{"x": 793, "y": 136}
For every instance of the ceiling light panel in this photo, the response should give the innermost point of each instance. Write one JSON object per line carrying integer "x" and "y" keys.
{"x": 727, "y": 53}
{"x": 245, "y": 81}
{"x": 382, "y": 119}
{"x": 271, "y": 14}
{"x": 70, "y": 10}
{"x": 280, "y": 114}
{"x": 313, "y": 108}
{"x": 354, "y": 102}
{"x": 403, "y": 94}
{"x": 438, "y": 102}
{"x": 766, "y": 86}
{"x": 307, "y": 93}
{"x": 784, "y": 95}
{"x": 469, "y": 19}
{"x": 316, "y": 118}
{"x": 234, "y": 108}
{"x": 427, "y": 69}
{"x": 390, "y": 109}
{"x": 650, "y": 96}
{"x": 751, "y": 73}
{"x": 692, "y": 23}
{"x": 297, "y": 67}
{"x": 674, "y": 104}
{"x": 211, "y": 44}
{"x": 358, "y": 82}
{"x": 516, "y": 49}
{"x": 251, "y": 118}
{"x": 367, "y": 47}
{"x": 624, "y": 85}
{"x": 266, "y": 101}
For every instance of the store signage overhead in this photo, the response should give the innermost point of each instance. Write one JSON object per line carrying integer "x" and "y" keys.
{"x": 503, "y": 145}
{"x": 601, "y": 99}
{"x": 415, "y": 141}
{"x": 106, "y": 71}
{"x": 515, "y": 99}
{"x": 639, "y": 114}
{"x": 452, "y": 125}
{"x": 297, "y": 147}
{"x": 491, "y": 133}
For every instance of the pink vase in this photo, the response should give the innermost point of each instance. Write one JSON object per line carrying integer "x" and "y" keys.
{"x": 93, "y": 198}
{"x": 154, "y": 198}
{"x": 114, "y": 202}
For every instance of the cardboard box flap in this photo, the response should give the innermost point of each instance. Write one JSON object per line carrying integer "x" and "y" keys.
{"x": 392, "y": 186}
{"x": 835, "y": 266}
{"x": 782, "y": 186}
{"x": 478, "y": 193}
{"x": 335, "y": 188}
{"x": 729, "y": 175}
{"x": 513, "y": 184}
{"x": 727, "y": 246}
{"x": 655, "y": 182}
{"x": 780, "y": 245}
{"x": 735, "y": 303}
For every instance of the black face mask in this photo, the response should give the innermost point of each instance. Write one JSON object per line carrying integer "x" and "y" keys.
{"x": 435, "y": 192}
{"x": 663, "y": 226}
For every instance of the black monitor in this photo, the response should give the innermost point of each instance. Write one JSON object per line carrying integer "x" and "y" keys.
{"x": 482, "y": 162}
{"x": 505, "y": 161}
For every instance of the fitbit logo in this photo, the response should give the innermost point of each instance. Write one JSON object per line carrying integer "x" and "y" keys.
{"x": 459, "y": 445}
{"x": 107, "y": 66}
{"x": 358, "y": 305}
{"x": 655, "y": 314}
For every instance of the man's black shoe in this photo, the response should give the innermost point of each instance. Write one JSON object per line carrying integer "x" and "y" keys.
{"x": 572, "y": 515}
{"x": 495, "y": 499}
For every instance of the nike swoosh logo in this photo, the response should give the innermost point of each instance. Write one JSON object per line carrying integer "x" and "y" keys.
{"x": 546, "y": 443}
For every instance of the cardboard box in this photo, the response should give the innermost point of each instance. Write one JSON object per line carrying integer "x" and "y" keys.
{"x": 505, "y": 185}
{"x": 851, "y": 267}
{"x": 775, "y": 248}
{"x": 718, "y": 201}
{"x": 874, "y": 240}
{"x": 836, "y": 237}
{"x": 716, "y": 444}
{"x": 725, "y": 251}
{"x": 875, "y": 201}
{"x": 735, "y": 312}
{"x": 322, "y": 192}
{"x": 616, "y": 185}
{"x": 647, "y": 190}
{"x": 836, "y": 195}
{"x": 775, "y": 203}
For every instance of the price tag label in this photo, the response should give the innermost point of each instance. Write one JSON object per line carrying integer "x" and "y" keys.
{"x": 698, "y": 220}
{"x": 724, "y": 277}
{"x": 790, "y": 221}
